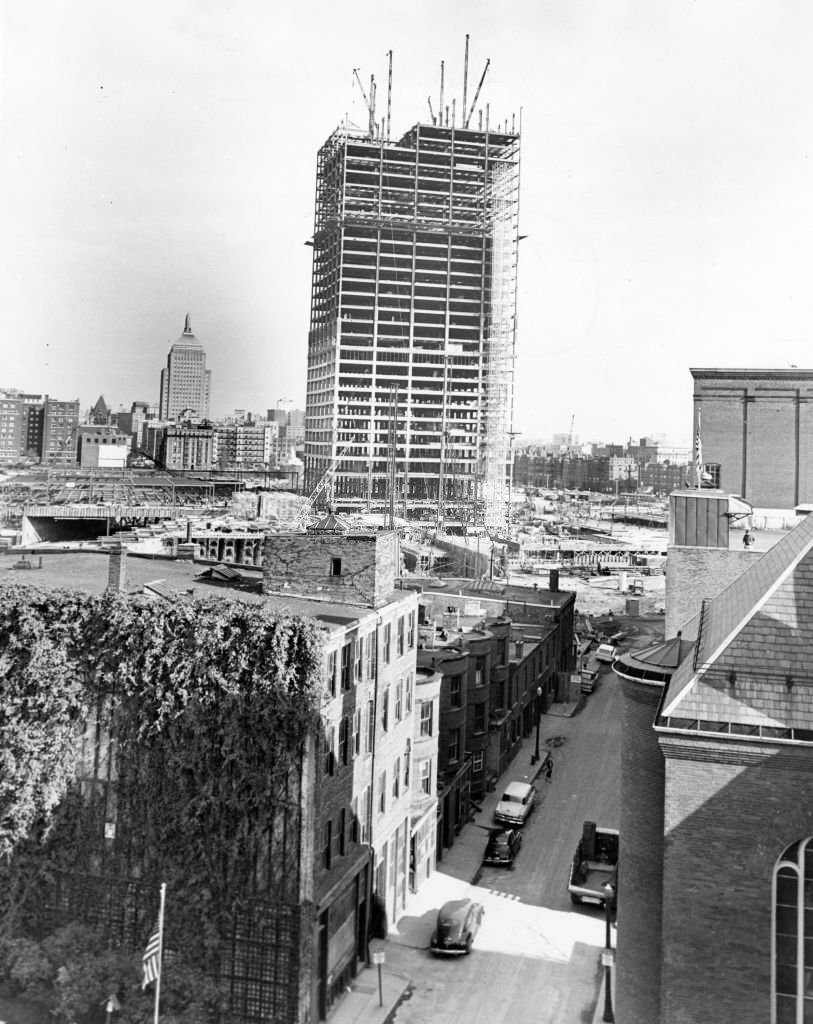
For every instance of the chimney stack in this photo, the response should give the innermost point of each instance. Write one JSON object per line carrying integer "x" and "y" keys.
{"x": 117, "y": 568}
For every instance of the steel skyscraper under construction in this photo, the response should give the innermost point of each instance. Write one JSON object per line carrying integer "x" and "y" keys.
{"x": 413, "y": 322}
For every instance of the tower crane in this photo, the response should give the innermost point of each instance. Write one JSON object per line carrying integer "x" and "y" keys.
{"x": 369, "y": 103}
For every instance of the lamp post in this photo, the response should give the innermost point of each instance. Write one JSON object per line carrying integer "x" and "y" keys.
{"x": 535, "y": 757}
{"x": 607, "y": 956}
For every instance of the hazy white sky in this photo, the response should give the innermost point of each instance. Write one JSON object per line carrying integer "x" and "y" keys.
{"x": 159, "y": 157}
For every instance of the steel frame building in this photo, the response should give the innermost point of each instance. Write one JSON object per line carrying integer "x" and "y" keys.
{"x": 413, "y": 323}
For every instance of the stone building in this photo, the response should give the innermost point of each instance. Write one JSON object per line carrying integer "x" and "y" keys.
{"x": 185, "y": 383}
{"x": 718, "y": 758}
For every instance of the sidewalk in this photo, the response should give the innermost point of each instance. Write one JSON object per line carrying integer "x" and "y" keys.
{"x": 363, "y": 1004}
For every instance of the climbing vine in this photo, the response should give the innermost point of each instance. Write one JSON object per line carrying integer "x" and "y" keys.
{"x": 153, "y": 741}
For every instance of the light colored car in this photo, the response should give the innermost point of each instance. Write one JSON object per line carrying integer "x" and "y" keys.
{"x": 458, "y": 923}
{"x": 516, "y": 803}
{"x": 606, "y": 653}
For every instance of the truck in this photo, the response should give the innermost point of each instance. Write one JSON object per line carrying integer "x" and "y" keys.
{"x": 594, "y": 864}
{"x": 589, "y": 674}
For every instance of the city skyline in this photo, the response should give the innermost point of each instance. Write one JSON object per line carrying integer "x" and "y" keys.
{"x": 159, "y": 162}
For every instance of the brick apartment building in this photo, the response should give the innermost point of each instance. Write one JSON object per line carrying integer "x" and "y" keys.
{"x": 717, "y": 762}
{"x": 502, "y": 653}
{"x": 376, "y": 792}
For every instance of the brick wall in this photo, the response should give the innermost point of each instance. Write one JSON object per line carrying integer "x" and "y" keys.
{"x": 356, "y": 569}
{"x": 694, "y": 573}
{"x": 730, "y": 811}
{"x": 640, "y": 864}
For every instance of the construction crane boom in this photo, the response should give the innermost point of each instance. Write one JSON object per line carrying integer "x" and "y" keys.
{"x": 477, "y": 93}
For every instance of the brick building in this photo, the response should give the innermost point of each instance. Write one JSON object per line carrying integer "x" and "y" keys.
{"x": 495, "y": 649}
{"x": 59, "y": 425}
{"x": 718, "y": 757}
{"x": 376, "y": 792}
{"x": 741, "y": 415}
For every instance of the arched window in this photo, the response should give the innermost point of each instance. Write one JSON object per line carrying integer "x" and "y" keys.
{"x": 792, "y": 959}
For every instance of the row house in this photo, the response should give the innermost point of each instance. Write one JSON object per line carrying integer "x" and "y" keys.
{"x": 504, "y": 655}
{"x": 375, "y": 801}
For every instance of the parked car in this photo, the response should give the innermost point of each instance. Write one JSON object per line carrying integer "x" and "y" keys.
{"x": 606, "y": 653}
{"x": 458, "y": 923}
{"x": 516, "y": 803}
{"x": 503, "y": 845}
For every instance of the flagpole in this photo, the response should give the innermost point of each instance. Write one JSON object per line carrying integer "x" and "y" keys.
{"x": 160, "y": 950}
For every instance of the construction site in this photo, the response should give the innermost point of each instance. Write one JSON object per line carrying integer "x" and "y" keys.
{"x": 413, "y": 315}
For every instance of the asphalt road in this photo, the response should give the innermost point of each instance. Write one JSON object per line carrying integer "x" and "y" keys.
{"x": 585, "y": 786}
{"x": 536, "y": 958}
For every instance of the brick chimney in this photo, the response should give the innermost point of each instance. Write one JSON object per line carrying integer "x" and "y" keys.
{"x": 117, "y": 568}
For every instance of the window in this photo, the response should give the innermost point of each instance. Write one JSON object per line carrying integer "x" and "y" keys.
{"x": 330, "y": 760}
{"x": 411, "y": 631}
{"x": 399, "y": 640}
{"x": 477, "y": 762}
{"x": 480, "y": 672}
{"x": 366, "y": 811}
{"x": 711, "y": 473}
{"x": 342, "y": 832}
{"x": 382, "y": 792}
{"x": 454, "y": 745}
{"x": 396, "y": 779}
{"x": 385, "y": 709}
{"x": 426, "y": 776}
{"x": 456, "y": 691}
{"x": 407, "y": 759}
{"x": 335, "y": 567}
{"x": 347, "y": 666}
{"x": 372, "y": 644}
{"x": 354, "y": 820}
{"x": 426, "y": 718}
{"x": 344, "y": 740}
{"x": 370, "y": 726}
{"x": 387, "y": 643}
{"x": 327, "y": 843}
{"x": 331, "y": 673}
{"x": 359, "y": 659}
{"x": 408, "y": 692}
{"x": 479, "y": 718}
{"x": 793, "y": 934}
{"x": 399, "y": 700}
{"x": 357, "y": 732}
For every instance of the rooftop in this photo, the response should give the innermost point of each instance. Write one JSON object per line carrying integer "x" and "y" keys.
{"x": 87, "y": 571}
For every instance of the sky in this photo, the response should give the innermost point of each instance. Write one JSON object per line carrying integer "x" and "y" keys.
{"x": 159, "y": 158}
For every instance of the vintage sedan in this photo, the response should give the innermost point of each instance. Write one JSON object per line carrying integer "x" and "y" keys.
{"x": 503, "y": 845}
{"x": 458, "y": 923}
{"x": 516, "y": 803}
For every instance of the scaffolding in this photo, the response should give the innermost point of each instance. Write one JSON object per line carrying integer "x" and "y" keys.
{"x": 414, "y": 296}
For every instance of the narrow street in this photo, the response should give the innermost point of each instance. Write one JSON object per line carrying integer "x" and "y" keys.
{"x": 536, "y": 958}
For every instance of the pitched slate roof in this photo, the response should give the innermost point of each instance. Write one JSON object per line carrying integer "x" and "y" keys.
{"x": 750, "y": 666}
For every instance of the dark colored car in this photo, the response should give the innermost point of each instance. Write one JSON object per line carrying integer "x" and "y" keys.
{"x": 458, "y": 923}
{"x": 503, "y": 845}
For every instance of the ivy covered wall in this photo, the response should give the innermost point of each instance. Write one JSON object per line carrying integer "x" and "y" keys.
{"x": 143, "y": 743}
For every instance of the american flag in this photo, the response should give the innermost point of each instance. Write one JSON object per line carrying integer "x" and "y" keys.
{"x": 151, "y": 960}
{"x": 698, "y": 455}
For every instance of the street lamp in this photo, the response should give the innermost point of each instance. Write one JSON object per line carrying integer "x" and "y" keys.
{"x": 535, "y": 757}
{"x": 607, "y": 955}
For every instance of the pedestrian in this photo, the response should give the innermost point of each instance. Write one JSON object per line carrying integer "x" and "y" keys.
{"x": 549, "y": 768}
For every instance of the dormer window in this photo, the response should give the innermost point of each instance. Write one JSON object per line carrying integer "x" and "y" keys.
{"x": 335, "y": 567}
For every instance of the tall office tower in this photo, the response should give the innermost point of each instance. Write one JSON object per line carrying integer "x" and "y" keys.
{"x": 413, "y": 322}
{"x": 185, "y": 383}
